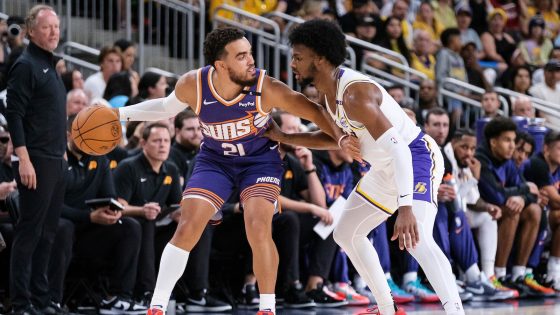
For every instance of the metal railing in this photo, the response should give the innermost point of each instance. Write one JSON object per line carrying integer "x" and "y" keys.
{"x": 262, "y": 32}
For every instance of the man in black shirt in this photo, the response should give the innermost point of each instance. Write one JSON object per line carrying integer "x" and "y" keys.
{"x": 99, "y": 233}
{"x": 543, "y": 169}
{"x": 188, "y": 135}
{"x": 148, "y": 185}
{"x": 36, "y": 114}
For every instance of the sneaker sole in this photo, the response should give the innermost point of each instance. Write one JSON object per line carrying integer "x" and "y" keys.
{"x": 119, "y": 312}
{"x": 248, "y": 307}
{"x": 301, "y": 305}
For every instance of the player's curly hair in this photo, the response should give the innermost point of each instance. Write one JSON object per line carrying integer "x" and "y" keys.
{"x": 216, "y": 41}
{"x": 325, "y": 38}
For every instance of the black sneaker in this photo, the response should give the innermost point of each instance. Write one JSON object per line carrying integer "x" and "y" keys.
{"x": 145, "y": 299}
{"x": 29, "y": 310}
{"x": 118, "y": 305}
{"x": 295, "y": 297}
{"x": 323, "y": 297}
{"x": 249, "y": 298}
{"x": 203, "y": 302}
{"x": 54, "y": 309}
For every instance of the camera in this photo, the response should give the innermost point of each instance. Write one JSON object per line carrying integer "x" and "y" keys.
{"x": 14, "y": 30}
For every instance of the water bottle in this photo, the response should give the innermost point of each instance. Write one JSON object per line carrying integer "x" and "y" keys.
{"x": 457, "y": 202}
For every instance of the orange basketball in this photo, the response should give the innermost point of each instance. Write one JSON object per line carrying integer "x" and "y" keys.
{"x": 96, "y": 130}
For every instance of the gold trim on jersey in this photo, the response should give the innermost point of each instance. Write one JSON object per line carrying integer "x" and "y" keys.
{"x": 198, "y": 91}
{"x": 217, "y": 96}
{"x": 371, "y": 200}
{"x": 262, "y": 76}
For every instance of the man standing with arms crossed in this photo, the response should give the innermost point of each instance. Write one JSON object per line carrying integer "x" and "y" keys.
{"x": 36, "y": 115}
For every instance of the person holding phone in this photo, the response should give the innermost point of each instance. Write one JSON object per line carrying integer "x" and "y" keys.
{"x": 98, "y": 233}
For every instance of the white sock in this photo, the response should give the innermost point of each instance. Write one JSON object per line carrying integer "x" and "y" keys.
{"x": 553, "y": 267}
{"x": 488, "y": 267}
{"x": 500, "y": 272}
{"x": 171, "y": 267}
{"x": 267, "y": 302}
{"x": 387, "y": 308}
{"x": 453, "y": 308}
{"x": 409, "y": 277}
{"x": 473, "y": 273}
{"x": 518, "y": 272}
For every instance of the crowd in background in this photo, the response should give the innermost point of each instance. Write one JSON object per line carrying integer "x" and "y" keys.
{"x": 498, "y": 209}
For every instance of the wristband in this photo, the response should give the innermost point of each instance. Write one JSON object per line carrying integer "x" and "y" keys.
{"x": 340, "y": 139}
{"x": 313, "y": 170}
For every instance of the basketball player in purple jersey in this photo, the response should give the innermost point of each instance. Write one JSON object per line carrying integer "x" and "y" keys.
{"x": 233, "y": 100}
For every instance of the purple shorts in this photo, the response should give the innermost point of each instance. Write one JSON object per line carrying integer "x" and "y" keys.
{"x": 215, "y": 177}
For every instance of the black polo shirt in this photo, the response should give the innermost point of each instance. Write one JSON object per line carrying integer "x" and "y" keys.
{"x": 86, "y": 178}
{"x": 294, "y": 180}
{"x": 36, "y": 99}
{"x": 183, "y": 158}
{"x": 6, "y": 173}
{"x": 138, "y": 184}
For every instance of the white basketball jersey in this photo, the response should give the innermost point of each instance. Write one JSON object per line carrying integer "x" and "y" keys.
{"x": 377, "y": 157}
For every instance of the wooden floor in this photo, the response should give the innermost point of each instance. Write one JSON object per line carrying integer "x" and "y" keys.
{"x": 522, "y": 307}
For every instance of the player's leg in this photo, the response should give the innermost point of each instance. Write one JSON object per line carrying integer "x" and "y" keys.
{"x": 529, "y": 227}
{"x": 487, "y": 235}
{"x": 201, "y": 200}
{"x": 359, "y": 218}
{"x": 507, "y": 227}
{"x": 258, "y": 213}
{"x": 553, "y": 266}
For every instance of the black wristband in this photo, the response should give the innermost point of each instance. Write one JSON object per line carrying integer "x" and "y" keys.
{"x": 313, "y": 170}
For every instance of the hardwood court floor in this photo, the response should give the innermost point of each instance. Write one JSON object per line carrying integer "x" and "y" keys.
{"x": 521, "y": 307}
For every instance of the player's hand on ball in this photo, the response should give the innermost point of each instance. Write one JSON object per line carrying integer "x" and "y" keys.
{"x": 351, "y": 145}
{"x": 406, "y": 229}
{"x": 273, "y": 132}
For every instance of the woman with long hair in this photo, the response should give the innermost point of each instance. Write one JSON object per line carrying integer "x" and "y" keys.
{"x": 537, "y": 47}
{"x": 391, "y": 37}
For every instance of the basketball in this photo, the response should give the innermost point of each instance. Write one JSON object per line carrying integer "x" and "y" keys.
{"x": 96, "y": 130}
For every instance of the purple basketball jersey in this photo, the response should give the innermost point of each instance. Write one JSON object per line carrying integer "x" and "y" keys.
{"x": 235, "y": 127}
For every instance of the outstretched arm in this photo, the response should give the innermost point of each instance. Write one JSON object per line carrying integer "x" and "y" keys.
{"x": 163, "y": 108}
{"x": 279, "y": 95}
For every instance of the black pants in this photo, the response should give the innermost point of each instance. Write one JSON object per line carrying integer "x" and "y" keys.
{"x": 285, "y": 233}
{"x": 116, "y": 246}
{"x": 197, "y": 270}
{"x": 61, "y": 255}
{"x": 319, "y": 252}
{"x": 146, "y": 276}
{"x": 35, "y": 232}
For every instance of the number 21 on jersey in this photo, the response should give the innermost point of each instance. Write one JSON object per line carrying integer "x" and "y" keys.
{"x": 233, "y": 149}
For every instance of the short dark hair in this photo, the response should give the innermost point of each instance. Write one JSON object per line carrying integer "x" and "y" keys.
{"x": 107, "y": 50}
{"x": 463, "y": 132}
{"x": 551, "y": 137}
{"x": 436, "y": 111}
{"x": 277, "y": 116}
{"x": 217, "y": 40}
{"x": 325, "y": 38}
{"x": 148, "y": 129}
{"x": 148, "y": 80}
{"x": 491, "y": 92}
{"x": 123, "y": 44}
{"x": 186, "y": 114}
{"x": 497, "y": 126}
{"x": 447, "y": 34}
{"x": 118, "y": 84}
{"x": 525, "y": 137}
{"x": 395, "y": 87}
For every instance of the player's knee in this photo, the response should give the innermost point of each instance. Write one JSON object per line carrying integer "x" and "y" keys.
{"x": 532, "y": 214}
{"x": 258, "y": 229}
{"x": 554, "y": 218}
{"x": 342, "y": 235}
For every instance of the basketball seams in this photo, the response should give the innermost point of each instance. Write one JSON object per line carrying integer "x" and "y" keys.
{"x": 99, "y": 139}
{"x": 88, "y": 116}
{"x": 95, "y": 127}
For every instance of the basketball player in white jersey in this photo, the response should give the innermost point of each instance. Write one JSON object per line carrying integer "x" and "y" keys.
{"x": 407, "y": 165}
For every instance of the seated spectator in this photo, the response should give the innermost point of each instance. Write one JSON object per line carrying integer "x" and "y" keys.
{"x": 76, "y": 100}
{"x": 110, "y": 61}
{"x": 422, "y": 58}
{"x": 475, "y": 74}
{"x": 543, "y": 169}
{"x": 520, "y": 80}
{"x": 72, "y": 80}
{"x": 427, "y": 99}
{"x": 426, "y": 21}
{"x": 151, "y": 85}
{"x": 147, "y": 185}
{"x": 522, "y": 107}
{"x": 538, "y": 75}
{"x": 537, "y": 47}
{"x": 349, "y": 21}
{"x": 128, "y": 50}
{"x": 514, "y": 11}
{"x": 401, "y": 11}
{"x": 100, "y": 233}
{"x": 468, "y": 35}
{"x": 311, "y": 9}
{"x": 397, "y": 92}
{"x": 366, "y": 30}
{"x": 500, "y": 183}
{"x": 546, "y": 9}
{"x": 497, "y": 44}
{"x": 449, "y": 64}
{"x": 549, "y": 89}
{"x": 524, "y": 148}
{"x": 490, "y": 105}
{"x": 120, "y": 88}
{"x": 391, "y": 37}
{"x": 444, "y": 13}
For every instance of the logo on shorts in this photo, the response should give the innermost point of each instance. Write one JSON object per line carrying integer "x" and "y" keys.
{"x": 420, "y": 188}
{"x": 268, "y": 179}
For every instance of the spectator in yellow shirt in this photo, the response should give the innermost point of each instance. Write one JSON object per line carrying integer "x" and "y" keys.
{"x": 551, "y": 17}
{"x": 426, "y": 21}
{"x": 422, "y": 59}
